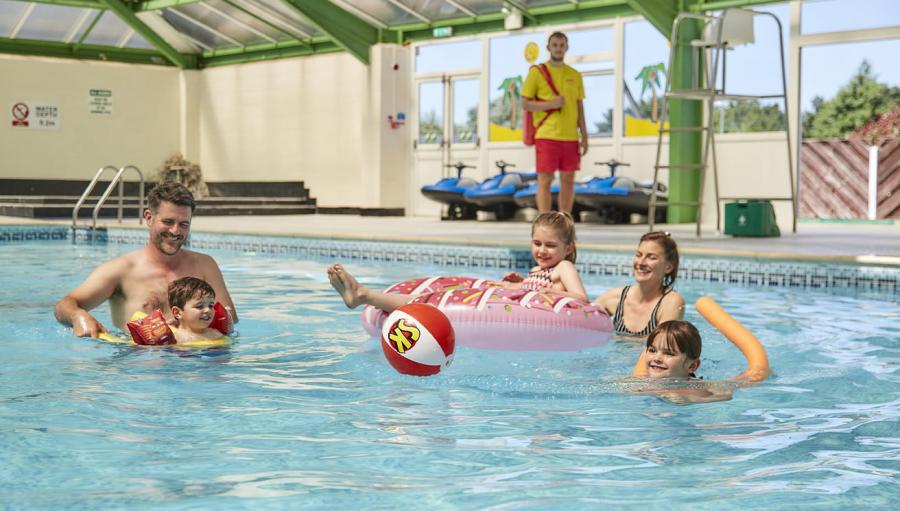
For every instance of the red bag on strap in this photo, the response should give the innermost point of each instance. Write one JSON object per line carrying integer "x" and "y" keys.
{"x": 151, "y": 330}
{"x": 222, "y": 320}
{"x": 528, "y": 128}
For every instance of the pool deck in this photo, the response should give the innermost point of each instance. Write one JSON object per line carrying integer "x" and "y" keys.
{"x": 852, "y": 242}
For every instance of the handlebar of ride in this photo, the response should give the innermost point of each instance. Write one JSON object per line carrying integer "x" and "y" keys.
{"x": 613, "y": 165}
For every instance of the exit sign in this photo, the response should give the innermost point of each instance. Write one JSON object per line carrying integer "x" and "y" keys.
{"x": 442, "y": 31}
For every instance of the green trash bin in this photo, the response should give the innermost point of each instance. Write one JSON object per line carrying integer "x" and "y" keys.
{"x": 751, "y": 218}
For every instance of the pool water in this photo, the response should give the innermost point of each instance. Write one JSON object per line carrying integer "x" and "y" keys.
{"x": 304, "y": 411}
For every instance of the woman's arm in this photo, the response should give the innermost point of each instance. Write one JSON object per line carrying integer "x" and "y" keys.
{"x": 672, "y": 307}
{"x": 609, "y": 299}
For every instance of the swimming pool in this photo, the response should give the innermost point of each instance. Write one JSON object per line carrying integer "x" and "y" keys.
{"x": 303, "y": 412}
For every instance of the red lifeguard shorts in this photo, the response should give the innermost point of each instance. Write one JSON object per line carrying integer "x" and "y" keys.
{"x": 553, "y": 155}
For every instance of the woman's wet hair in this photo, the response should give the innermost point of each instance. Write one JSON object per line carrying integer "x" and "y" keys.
{"x": 680, "y": 334}
{"x": 562, "y": 224}
{"x": 187, "y": 288}
{"x": 170, "y": 191}
{"x": 670, "y": 249}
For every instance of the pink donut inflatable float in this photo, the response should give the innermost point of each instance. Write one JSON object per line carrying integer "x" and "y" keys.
{"x": 488, "y": 317}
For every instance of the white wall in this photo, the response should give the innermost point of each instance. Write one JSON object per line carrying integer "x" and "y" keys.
{"x": 288, "y": 120}
{"x": 143, "y": 129}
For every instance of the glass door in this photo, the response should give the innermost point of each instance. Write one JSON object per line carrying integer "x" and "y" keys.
{"x": 447, "y": 133}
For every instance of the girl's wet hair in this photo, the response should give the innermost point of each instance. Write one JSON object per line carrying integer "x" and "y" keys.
{"x": 562, "y": 224}
{"x": 670, "y": 249}
{"x": 680, "y": 334}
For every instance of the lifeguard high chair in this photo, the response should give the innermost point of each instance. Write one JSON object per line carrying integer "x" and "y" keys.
{"x": 731, "y": 28}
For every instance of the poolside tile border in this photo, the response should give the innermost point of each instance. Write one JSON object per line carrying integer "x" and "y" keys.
{"x": 740, "y": 271}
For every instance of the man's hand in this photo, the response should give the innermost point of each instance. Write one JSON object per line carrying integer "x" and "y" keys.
{"x": 556, "y": 103}
{"x": 85, "y": 325}
{"x": 584, "y": 145}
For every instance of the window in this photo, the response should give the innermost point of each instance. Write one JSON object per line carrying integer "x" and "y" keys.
{"x": 646, "y": 58}
{"x": 755, "y": 69}
{"x": 843, "y": 15}
{"x": 434, "y": 58}
{"x": 431, "y": 113}
{"x": 508, "y": 68}
{"x": 842, "y": 86}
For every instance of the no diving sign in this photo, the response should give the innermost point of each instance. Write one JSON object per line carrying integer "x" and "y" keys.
{"x": 34, "y": 115}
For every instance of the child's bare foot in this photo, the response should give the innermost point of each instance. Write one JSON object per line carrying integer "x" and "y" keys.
{"x": 349, "y": 288}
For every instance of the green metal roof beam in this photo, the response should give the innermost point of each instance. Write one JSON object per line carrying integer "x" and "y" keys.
{"x": 158, "y": 5}
{"x": 715, "y": 5}
{"x": 88, "y": 4}
{"x": 454, "y": 22}
{"x": 313, "y": 45}
{"x": 85, "y": 52}
{"x": 348, "y": 31}
{"x": 127, "y": 15}
{"x": 660, "y": 13}
{"x": 266, "y": 52}
{"x": 549, "y": 15}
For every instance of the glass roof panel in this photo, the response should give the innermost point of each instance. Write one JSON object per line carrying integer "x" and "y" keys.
{"x": 288, "y": 14}
{"x": 136, "y": 41}
{"x": 385, "y": 11}
{"x": 264, "y": 27}
{"x": 50, "y": 22}
{"x": 109, "y": 31}
{"x": 82, "y": 26}
{"x": 10, "y": 14}
{"x": 222, "y": 24}
{"x": 436, "y": 9}
{"x": 193, "y": 31}
{"x": 482, "y": 6}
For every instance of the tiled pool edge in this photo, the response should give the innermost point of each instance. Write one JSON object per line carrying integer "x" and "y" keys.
{"x": 734, "y": 270}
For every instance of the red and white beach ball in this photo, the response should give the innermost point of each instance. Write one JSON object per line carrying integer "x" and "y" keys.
{"x": 417, "y": 339}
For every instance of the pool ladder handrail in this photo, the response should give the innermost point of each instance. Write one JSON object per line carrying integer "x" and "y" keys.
{"x": 117, "y": 179}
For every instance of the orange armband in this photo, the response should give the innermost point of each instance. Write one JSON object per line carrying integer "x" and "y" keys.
{"x": 222, "y": 319}
{"x": 151, "y": 330}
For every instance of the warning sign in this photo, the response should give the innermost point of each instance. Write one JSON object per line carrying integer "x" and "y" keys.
{"x": 100, "y": 101}
{"x": 20, "y": 113}
{"x": 34, "y": 115}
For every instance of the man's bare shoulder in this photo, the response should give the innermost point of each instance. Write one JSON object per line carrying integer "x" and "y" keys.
{"x": 198, "y": 257}
{"x": 122, "y": 264}
{"x": 200, "y": 263}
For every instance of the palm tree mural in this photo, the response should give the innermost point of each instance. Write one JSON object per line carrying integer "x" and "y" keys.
{"x": 512, "y": 88}
{"x": 649, "y": 76}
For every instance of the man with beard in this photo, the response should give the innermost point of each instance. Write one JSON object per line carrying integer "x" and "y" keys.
{"x": 139, "y": 280}
{"x": 562, "y": 138}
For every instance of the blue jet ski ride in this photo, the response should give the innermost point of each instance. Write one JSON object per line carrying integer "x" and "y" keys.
{"x": 617, "y": 197}
{"x": 450, "y": 190}
{"x": 496, "y": 193}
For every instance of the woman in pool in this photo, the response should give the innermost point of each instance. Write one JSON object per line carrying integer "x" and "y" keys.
{"x": 552, "y": 247}
{"x": 636, "y": 310}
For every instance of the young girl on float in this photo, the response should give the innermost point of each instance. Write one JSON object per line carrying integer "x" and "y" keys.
{"x": 636, "y": 310}
{"x": 552, "y": 247}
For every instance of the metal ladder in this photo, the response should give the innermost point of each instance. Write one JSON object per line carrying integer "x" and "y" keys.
{"x": 709, "y": 93}
{"x": 116, "y": 180}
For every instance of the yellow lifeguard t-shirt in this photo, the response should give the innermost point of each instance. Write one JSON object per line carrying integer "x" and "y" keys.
{"x": 562, "y": 125}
